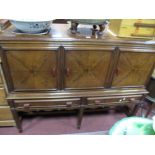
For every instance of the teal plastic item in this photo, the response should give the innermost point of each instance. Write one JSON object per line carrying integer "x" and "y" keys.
{"x": 133, "y": 126}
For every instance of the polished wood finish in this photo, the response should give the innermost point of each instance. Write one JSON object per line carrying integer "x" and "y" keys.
{"x": 85, "y": 69}
{"x": 32, "y": 69}
{"x": 112, "y": 67}
{"x": 16, "y": 116}
{"x": 77, "y": 93}
{"x": 65, "y": 71}
{"x": 81, "y": 111}
{"x": 47, "y": 104}
{"x": 133, "y": 68}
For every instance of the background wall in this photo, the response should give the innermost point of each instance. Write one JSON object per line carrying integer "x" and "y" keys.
{"x": 127, "y": 27}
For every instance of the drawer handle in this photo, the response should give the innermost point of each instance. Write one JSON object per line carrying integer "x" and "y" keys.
{"x": 27, "y": 106}
{"x": 132, "y": 99}
{"x": 69, "y": 104}
{"x": 122, "y": 99}
{"x": 97, "y": 101}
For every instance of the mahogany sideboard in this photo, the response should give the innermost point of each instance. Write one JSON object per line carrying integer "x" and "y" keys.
{"x": 64, "y": 71}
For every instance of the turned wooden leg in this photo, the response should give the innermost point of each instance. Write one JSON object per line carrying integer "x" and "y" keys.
{"x": 17, "y": 120}
{"x": 81, "y": 111}
{"x": 15, "y": 116}
{"x": 80, "y": 116}
{"x": 139, "y": 104}
{"x": 127, "y": 111}
{"x": 135, "y": 110}
{"x": 149, "y": 109}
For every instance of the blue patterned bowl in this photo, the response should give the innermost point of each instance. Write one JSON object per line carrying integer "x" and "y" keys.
{"x": 31, "y": 26}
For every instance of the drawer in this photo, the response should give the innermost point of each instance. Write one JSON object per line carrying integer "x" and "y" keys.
{"x": 5, "y": 113}
{"x": 113, "y": 100}
{"x": 2, "y": 97}
{"x": 47, "y": 104}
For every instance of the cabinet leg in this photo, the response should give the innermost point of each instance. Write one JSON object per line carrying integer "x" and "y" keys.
{"x": 15, "y": 115}
{"x": 80, "y": 116}
{"x": 149, "y": 109}
{"x": 135, "y": 109}
{"x": 17, "y": 120}
{"x": 127, "y": 111}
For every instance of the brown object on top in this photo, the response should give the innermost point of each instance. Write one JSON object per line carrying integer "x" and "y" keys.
{"x": 144, "y": 25}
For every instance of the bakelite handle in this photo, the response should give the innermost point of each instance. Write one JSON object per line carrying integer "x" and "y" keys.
{"x": 97, "y": 101}
{"x": 69, "y": 104}
{"x": 54, "y": 72}
{"x": 27, "y": 107}
{"x": 133, "y": 99}
{"x": 68, "y": 71}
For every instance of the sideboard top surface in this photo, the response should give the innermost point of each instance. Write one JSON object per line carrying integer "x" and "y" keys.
{"x": 61, "y": 32}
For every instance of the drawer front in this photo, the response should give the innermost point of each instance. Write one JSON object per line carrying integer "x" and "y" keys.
{"x": 47, "y": 104}
{"x": 2, "y": 97}
{"x": 112, "y": 101}
{"x": 5, "y": 113}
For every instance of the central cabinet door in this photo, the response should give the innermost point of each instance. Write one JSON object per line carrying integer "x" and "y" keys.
{"x": 32, "y": 70}
{"x": 86, "y": 68}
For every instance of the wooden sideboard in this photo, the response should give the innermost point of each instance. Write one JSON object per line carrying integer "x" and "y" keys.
{"x": 62, "y": 71}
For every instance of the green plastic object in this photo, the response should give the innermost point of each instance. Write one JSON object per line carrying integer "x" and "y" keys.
{"x": 133, "y": 126}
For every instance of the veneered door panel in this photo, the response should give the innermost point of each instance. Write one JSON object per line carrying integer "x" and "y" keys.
{"x": 86, "y": 68}
{"x": 32, "y": 69}
{"x": 133, "y": 68}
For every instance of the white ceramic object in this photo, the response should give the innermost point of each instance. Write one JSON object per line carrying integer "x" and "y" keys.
{"x": 31, "y": 26}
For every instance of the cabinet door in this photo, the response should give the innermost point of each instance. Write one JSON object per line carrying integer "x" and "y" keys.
{"x": 133, "y": 68}
{"x": 86, "y": 68}
{"x": 32, "y": 69}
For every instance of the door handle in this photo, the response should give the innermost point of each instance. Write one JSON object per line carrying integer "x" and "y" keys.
{"x": 54, "y": 71}
{"x": 68, "y": 71}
